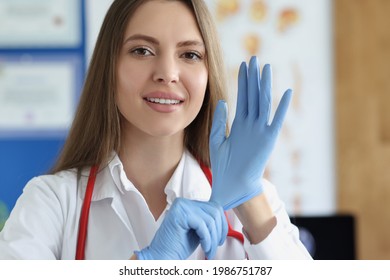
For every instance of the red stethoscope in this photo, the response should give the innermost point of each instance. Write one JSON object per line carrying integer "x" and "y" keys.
{"x": 83, "y": 225}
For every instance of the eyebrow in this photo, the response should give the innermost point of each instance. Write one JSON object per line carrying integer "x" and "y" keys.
{"x": 154, "y": 41}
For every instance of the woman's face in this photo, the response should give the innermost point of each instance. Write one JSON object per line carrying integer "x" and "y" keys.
{"x": 162, "y": 73}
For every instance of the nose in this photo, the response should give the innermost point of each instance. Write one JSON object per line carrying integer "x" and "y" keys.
{"x": 166, "y": 71}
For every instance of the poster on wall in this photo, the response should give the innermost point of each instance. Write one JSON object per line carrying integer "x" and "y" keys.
{"x": 295, "y": 38}
{"x": 38, "y": 94}
{"x": 40, "y": 23}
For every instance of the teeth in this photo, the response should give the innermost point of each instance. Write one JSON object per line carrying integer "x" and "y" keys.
{"x": 163, "y": 101}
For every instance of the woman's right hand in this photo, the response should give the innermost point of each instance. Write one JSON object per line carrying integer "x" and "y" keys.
{"x": 187, "y": 224}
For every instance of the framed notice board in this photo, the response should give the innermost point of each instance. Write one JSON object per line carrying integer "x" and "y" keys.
{"x": 42, "y": 66}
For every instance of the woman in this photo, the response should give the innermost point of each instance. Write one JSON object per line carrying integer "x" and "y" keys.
{"x": 141, "y": 138}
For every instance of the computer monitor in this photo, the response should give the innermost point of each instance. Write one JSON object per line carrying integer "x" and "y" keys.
{"x": 328, "y": 237}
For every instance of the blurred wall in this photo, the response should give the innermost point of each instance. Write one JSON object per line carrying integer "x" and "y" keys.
{"x": 362, "y": 48}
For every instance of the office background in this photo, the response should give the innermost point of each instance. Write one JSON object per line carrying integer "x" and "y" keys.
{"x": 330, "y": 160}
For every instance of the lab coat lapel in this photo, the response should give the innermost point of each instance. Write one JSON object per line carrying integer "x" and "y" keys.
{"x": 192, "y": 183}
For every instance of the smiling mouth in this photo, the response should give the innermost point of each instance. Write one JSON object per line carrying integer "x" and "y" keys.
{"x": 164, "y": 101}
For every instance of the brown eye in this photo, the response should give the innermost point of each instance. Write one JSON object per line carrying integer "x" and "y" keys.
{"x": 141, "y": 52}
{"x": 192, "y": 56}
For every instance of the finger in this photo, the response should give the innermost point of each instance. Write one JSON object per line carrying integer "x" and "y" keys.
{"x": 211, "y": 215}
{"x": 253, "y": 88}
{"x": 221, "y": 222}
{"x": 215, "y": 211}
{"x": 242, "y": 97}
{"x": 214, "y": 236}
{"x": 281, "y": 111}
{"x": 196, "y": 222}
{"x": 218, "y": 129}
{"x": 265, "y": 94}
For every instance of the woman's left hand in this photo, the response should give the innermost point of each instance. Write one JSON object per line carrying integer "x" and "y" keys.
{"x": 238, "y": 161}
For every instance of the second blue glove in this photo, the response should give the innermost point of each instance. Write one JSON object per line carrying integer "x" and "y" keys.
{"x": 238, "y": 161}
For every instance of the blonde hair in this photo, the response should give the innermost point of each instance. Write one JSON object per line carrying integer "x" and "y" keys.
{"x": 96, "y": 129}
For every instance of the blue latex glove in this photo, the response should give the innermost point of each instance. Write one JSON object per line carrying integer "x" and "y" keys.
{"x": 187, "y": 223}
{"x": 238, "y": 161}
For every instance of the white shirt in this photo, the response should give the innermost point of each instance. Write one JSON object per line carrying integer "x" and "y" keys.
{"x": 44, "y": 222}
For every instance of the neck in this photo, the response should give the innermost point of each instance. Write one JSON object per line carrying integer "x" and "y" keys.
{"x": 149, "y": 163}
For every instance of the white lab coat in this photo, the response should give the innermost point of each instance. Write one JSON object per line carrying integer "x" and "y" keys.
{"x": 44, "y": 222}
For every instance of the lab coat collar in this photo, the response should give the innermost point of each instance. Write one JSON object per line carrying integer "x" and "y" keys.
{"x": 187, "y": 181}
{"x": 105, "y": 183}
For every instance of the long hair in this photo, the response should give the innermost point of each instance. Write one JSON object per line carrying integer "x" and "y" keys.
{"x": 96, "y": 131}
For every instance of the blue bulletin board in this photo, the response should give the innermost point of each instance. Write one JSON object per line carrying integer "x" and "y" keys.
{"x": 42, "y": 66}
